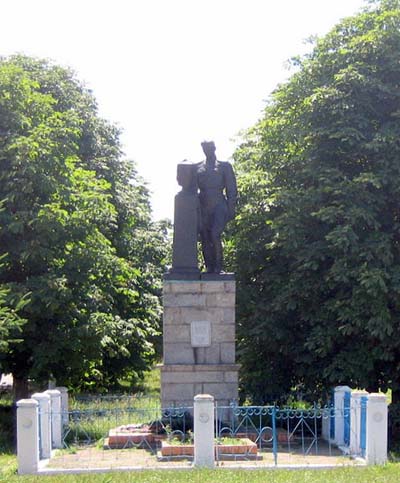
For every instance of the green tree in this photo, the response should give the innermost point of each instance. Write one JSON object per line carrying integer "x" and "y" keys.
{"x": 78, "y": 234}
{"x": 318, "y": 232}
{"x": 10, "y": 322}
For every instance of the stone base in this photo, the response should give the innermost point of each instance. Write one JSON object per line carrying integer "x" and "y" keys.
{"x": 189, "y": 301}
{"x": 199, "y": 341}
{"x": 181, "y": 382}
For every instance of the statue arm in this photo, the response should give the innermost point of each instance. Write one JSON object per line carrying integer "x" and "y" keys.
{"x": 231, "y": 190}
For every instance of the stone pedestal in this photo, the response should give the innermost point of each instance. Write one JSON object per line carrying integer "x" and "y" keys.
{"x": 199, "y": 341}
{"x": 184, "y": 253}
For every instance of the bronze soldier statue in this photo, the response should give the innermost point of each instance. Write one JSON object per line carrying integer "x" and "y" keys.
{"x": 217, "y": 193}
{"x": 203, "y": 207}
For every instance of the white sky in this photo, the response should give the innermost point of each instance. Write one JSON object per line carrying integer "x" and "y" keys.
{"x": 171, "y": 72}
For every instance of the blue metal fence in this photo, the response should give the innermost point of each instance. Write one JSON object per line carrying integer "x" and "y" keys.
{"x": 332, "y": 418}
{"x": 278, "y": 434}
{"x": 346, "y": 418}
{"x": 363, "y": 425}
{"x": 278, "y": 430}
{"x": 131, "y": 427}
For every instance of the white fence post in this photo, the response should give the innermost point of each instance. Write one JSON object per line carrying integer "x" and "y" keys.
{"x": 204, "y": 452}
{"x": 339, "y": 414}
{"x": 56, "y": 422}
{"x": 44, "y": 424}
{"x": 64, "y": 405}
{"x": 377, "y": 429}
{"x": 355, "y": 422}
{"x": 27, "y": 436}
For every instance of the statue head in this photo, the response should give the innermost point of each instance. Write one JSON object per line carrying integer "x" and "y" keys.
{"x": 208, "y": 148}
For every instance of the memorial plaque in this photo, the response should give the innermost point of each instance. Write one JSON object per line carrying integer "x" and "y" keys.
{"x": 200, "y": 333}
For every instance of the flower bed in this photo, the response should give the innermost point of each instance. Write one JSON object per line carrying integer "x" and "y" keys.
{"x": 131, "y": 435}
{"x": 240, "y": 446}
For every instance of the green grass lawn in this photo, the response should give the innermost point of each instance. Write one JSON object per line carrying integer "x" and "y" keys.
{"x": 389, "y": 473}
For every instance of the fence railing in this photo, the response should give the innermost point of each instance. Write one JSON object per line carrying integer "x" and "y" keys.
{"x": 100, "y": 432}
{"x": 126, "y": 427}
{"x": 281, "y": 430}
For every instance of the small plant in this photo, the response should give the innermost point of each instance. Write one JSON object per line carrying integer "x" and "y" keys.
{"x": 230, "y": 440}
{"x": 176, "y": 441}
{"x": 187, "y": 439}
{"x": 67, "y": 450}
{"x": 177, "y": 438}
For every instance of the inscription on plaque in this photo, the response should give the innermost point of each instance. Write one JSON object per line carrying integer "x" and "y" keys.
{"x": 200, "y": 333}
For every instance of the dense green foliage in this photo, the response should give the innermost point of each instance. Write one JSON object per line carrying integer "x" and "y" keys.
{"x": 77, "y": 234}
{"x": 318, "y": 233}
{"x": 10, "y": 322}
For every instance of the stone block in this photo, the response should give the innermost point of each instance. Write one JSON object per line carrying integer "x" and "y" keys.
{"x": 222, "y": 333}
{"x": 172, "y": 315}
{"x": 227, "y": 350}
{"x": 177, "y": 392}
{"x": 176, "y": 333}
{"x": 217, "y": 367}
{"x": 224, "y": 390}
{"x": 167, "y": 287}
{"x": 225, "y": 299}
{"x": 178, "y": 353}
{"x": 231, "y": 376}
{"x": 193, "y": 377}
{"x": 189, "y": 287}
{"x": 220, "y": 300}
{"x": 200, "y": 355}
{"x": 211, "y": 300}
{"x": 176, "y": 368}
{"x": 189, "y": 314}
{"x": 212, "y": 287}
{"x": 184, "y": 300}
{"x": 177, "y": 377}
{"x": 228, "y": 316}
{"x": 230, "y": 287}
{"x": 212, "y": 354}
{"x": 201, "y": 378}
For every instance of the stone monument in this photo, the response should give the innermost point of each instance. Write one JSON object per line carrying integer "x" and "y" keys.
{"x": 199, "y": 307}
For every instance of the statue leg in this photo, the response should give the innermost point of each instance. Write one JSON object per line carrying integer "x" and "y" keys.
{"x": 219, "y": 222}
{"x": 207, "y": 250}
{"x": 218, "y": 254}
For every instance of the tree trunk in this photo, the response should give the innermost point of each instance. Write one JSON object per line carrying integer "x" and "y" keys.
{"x": 20, "y": 388}
{"x": 396, "y": 396}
